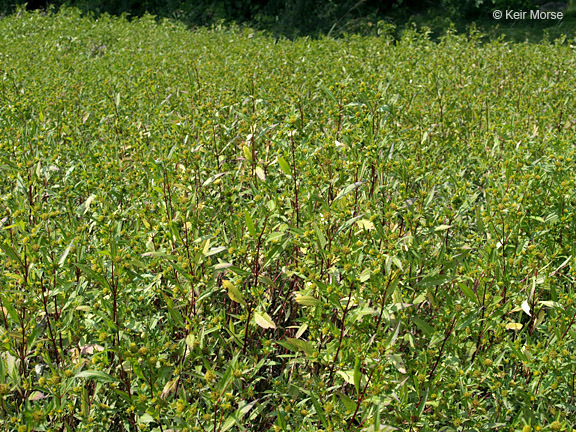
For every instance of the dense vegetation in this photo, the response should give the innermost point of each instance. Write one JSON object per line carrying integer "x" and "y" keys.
{"x": 292, "y": 18}
{"x": 214, "y": 230}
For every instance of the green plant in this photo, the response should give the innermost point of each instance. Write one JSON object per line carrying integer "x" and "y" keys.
{"x": 214, "y": 230}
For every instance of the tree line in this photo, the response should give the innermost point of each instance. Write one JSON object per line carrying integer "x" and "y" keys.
{"x": 290, "y": 17}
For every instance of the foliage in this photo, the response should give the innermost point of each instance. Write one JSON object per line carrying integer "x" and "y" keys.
{"x": 474, "y": 8}
{"x": 335, "y": 18}
{"x": 289, "y": 18}
{"x": 216, "y": 230}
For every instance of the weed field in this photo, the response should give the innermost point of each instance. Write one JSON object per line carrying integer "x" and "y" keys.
{"x": 216, "y": 230}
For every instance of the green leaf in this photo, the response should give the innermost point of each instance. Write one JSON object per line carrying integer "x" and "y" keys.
{"x": 34, "y": 334}
{"x": 468, "y": 292}
{"x": 159, "y": 255}
{"x": 233, "y": 292}
{"x": 247, "y": 153}
{"x": 348, "y": 223}
{"x": 260, "y": 173}
{"x": 347, "y": 190}
{"x": 11, "y": 368}
{"x": 357, "y": 375}
{"x": 239, "y": 271}
{"x": 307, "y": 300}
{"x": 319, "y": 410}
{"x": 93, "y": 275}
{"x": 551, "y": 304}
{"x": 398, "y": 363}
{"x": 96, "y": 375}
{"x": 319, "y": 235}
{"x": 298, "y": 345}
{"x": 10, "y": 252}
{"x": 65, "y": 254}
{"x": 301, "y": 330}
{"x": 264, "y": 320}
{"x": 377, "y": 417}
{"x": 365, "y": 224}
{"x": 423, "y": 403}
{"x": 426, "y": 328}
{"x": 328, "y": 93}
{"x": 250, "y": 224}
{"x": 87, "y": 203}
{"x": 213, "y": 179}
{"x": 275, "y": 236}
{"x": 424, "y": 137}
{"x": 434, "y": 280}
{"x": 365, "y": 275}
{"x": 267, "y": 281}
{"x": 430, "y": 197}
{"x": 190, "y": 339}
{"x": 284, "y": 166}
{"x": 442, "y": 227}
{"x": 145, "y": 418}
{"x": 236, "y": 417}
{"x": 173, "y": 311}
{"x": 348, "y": 376}
{"x": 215, "y": 251}
{"x": 348, "y": 403}
{"x": 10, "y": 309}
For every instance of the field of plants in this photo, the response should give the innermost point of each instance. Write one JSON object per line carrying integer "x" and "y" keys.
{"x": 216, "y": 230}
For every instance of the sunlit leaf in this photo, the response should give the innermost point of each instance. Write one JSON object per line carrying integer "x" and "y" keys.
{"x": 260, "y": 173}
{"x": 307, "y": 300}
{"x": 250, "y": 224}
{"x": 96, "y": 375}
{"x": 526, "y": 308}
{"x": 247, "y": 153}
{"x": 284, "y": 166}
{"x": 264, "y": 320}
{"x": 233, "y": 292}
